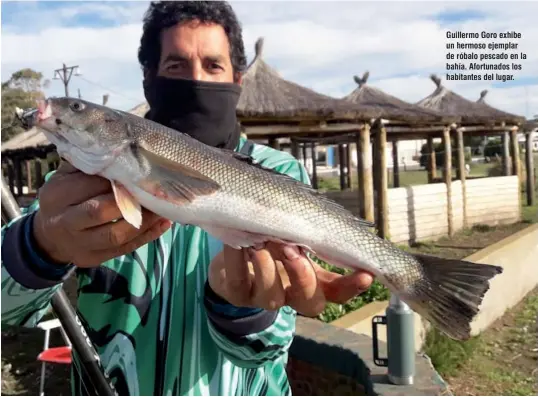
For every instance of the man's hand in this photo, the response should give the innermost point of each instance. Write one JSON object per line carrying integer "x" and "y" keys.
{"x": 74, "y": 223}
{"x": 281, "y": 275}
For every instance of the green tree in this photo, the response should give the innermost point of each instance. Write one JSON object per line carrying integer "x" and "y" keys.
{"x": 21, "y": 90}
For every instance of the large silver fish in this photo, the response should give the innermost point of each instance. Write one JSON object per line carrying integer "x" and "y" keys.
{"x": 243, "y": 204}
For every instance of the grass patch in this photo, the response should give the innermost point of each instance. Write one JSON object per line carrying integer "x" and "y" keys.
{"x": 501, "y": 361}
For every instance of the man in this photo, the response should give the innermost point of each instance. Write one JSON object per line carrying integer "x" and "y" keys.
{"x": 170, "y": 310}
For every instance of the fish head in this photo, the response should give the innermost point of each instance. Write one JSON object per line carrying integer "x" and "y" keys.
{"x": 88, "y": 135}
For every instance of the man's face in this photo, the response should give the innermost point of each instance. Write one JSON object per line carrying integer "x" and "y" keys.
{"x": 197, "y": 51}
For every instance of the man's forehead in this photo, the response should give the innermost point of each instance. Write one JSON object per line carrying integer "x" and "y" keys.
{"x": 187, "y": 37}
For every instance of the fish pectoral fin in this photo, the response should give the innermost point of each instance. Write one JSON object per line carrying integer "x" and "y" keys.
{"x": 129, "y": 207}
{"x": 175, "y": 182}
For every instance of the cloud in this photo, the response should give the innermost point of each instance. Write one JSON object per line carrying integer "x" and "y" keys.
{"x": 320, "y": 45}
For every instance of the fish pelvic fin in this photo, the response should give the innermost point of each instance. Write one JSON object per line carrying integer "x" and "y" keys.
{"x": 450, "y": 293}
{"x": 129, "y": 207}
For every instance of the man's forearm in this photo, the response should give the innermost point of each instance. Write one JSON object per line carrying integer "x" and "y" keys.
{"x": 25, "y": 262}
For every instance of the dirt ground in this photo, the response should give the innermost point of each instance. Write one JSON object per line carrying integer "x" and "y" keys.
{"x": 505, "y": 359}
{"x": 20, "y": 346}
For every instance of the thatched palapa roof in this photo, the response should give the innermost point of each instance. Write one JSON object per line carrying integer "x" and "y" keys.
{"x": 448, "y": 102}
{"x": 266, "y": 95}
{"x": 507, "y": 117}
{"x": 389, "y": 106}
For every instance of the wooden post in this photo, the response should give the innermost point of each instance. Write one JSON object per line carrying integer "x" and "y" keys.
{"x": 432, "y": 166}
{"x": 395, "y": 165}
{"x": 381, "y": 182}
{"x": 18, "y": 176}
{"x": 348, "y": 164}
{"x": 273, "y": 142}
{"x": 294, "y": 148}
{"x": 341, "y": 160}
{"x": 11, "y": 177}
{"x": 304, "y": 155}
{"x": 28, "y": 164}
{"x": 38, "y": 174}
{"x": 461, "y": 172}
{"x": 364, "y": 168}
{"x": 505, "y": 153}
{"x": 516, "y": 164}
{"x": 314, "y": 170}
{"x": 447, "y": 178}
{"x": 529, "y": 160}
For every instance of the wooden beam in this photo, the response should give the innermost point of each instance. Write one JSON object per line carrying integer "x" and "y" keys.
{"x": 395, "y": 165}
{"x": 381, "y": 182}
{"x": 314, "y": 168}
{"x": 505, "y": 153}
{"x": 364, "y": 168}
{"x": 432, "y": 166}
{"x": 341, "y": 162}
{"x": 288, "y": 129}
{"x": 529, "y": 160}
{"x": 461, "y": 172}
{"x": 447, "y": 178}
{"x": 516, "y": 164}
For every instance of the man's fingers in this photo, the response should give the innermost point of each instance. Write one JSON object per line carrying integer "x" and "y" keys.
{"x": 340, "y": 289}
{"x": 113, "y": 235}
{"x": 237, "y": 276}
{"x": 93, "y": 212}
{"x": 97, "y": 257}
{"x": 81, "y": 187}
{"x": 304, "y": 294}
{"x": 268, "y": 291}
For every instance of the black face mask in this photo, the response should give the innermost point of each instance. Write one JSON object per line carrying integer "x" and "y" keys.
{"x": 203, "y": 110}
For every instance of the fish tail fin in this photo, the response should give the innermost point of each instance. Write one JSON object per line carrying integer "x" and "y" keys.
{"x": 450, "y": 293}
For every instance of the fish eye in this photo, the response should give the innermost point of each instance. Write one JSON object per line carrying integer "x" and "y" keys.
{"x": 76, "y": 106}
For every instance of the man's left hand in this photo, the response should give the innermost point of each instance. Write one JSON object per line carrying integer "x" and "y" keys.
{"x": 281, "y": 275}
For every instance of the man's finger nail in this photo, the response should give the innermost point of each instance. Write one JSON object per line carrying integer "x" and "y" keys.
{"x": 290, "y": 252}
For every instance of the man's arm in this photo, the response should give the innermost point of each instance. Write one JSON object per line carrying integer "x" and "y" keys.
{"x": 251, "y": 337}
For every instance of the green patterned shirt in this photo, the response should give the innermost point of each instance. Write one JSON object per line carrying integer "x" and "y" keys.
{"x": 146, "y": 316}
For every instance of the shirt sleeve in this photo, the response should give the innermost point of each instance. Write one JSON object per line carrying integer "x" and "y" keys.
{"x": 252, "y": 337}
{"x": 28, "y": 280}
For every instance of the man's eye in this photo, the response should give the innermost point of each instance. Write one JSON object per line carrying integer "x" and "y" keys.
{"x": 215, "y": 66}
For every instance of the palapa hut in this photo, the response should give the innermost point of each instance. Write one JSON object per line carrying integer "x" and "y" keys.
{"x": 397, "y": 120}
{"x": 529, "y": 145}
{"x": 271, "y": 107}
{"x": 476, "y": 119}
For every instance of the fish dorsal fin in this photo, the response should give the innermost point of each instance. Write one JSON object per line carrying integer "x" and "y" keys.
{"x": 174, "y": 182}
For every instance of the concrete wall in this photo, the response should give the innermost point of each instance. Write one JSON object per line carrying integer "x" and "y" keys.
{"x": 517, "y": 254}
{"x": 419, "y": 212}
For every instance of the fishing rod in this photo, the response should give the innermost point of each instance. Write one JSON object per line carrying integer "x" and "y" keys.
{"x": 81, "y": 343}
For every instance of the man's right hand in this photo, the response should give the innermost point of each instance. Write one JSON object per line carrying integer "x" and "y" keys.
{"x": 74, "y": 223}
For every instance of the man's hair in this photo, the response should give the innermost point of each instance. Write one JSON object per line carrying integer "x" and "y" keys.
{"x": 165, "y": 14}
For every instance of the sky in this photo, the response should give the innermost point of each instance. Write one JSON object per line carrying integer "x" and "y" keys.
{"x": 319, "y": 45}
